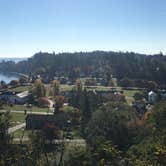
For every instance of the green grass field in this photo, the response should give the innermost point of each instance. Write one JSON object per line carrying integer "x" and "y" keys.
{"x": 20, "y": 89}
{"x": 21, "y": 132}
{"x": 17, "y": 118}
{"x": 129, "y": 95}
{"x": 67, "y": 108}
{"x": 65, "y": 87}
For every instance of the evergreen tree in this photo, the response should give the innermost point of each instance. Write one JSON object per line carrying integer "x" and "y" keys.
{"x": 85, "y": 110}
{"x": 55, "y": 87}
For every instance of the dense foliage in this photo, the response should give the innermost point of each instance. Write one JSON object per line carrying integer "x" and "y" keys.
{"x": 114, "y": 122}
{"x": 98, "y": 64}
{"x": 113, "y": 131}
{"x": 110, "y": 140}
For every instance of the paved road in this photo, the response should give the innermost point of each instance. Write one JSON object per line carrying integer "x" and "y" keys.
{"x": 29, "y": 112}
{"x": 116, "y": 87}
{"x": 13, "y": 129}
{"x": 56, "y": 141}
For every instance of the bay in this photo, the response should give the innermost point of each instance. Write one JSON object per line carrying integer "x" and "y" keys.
{"x": 6, "y": 77}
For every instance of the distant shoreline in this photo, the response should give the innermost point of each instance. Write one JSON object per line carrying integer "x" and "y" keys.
{"x": 20, "y": 74}
{"x": 13, "y": 74}
{"x": 16, "y": 60}
{"x": 8, "y": 76}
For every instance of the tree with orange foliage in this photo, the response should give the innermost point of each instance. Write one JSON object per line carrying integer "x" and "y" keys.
{"x": 50, "y": 131}
{"x": 59, "y": 101}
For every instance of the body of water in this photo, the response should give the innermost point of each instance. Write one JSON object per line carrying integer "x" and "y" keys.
{"x": 16, "y": 60}
{"x": 8, "y": 77}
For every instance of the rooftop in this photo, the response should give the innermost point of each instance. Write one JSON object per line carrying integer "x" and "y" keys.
{"x": 23, "y": 94}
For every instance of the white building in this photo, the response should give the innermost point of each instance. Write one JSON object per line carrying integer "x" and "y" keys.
{"x": 152, "y": 97}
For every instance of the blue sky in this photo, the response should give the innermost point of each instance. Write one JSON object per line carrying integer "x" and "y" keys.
{"x": 30, "y": 26}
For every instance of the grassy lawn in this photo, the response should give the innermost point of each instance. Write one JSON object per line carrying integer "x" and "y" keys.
{"x": 67, "y": 108}
{"x": 19, "y": 133}
{"x": 17, "y": 118}
{"x": 102, "y": 88}
{"x": 20, "y": 89}
{"x": 65, "y": 87}
{"x": 15, "y": 108}
{"x": 22, "y": 108}
{"x": 129, "y": 95}
{"x": 38, "y": 109}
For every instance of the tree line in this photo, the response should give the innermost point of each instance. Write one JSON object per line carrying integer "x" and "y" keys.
{"x": 95, "y": 64}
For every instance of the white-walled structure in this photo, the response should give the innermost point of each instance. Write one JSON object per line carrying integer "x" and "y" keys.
{"x": 152, "y": 97}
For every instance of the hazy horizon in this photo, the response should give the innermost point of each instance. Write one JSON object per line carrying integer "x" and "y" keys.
{"x": 81, "y": 25}
{"x": 11, "y": 57}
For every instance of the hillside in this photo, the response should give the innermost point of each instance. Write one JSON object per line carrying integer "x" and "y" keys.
{"x": 98, "y": 64}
